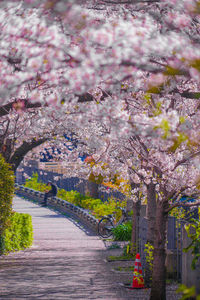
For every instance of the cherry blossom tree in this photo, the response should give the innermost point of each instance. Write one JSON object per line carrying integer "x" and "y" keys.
{"x": 84, "y": 48}
{"x": 167, "y": 162}
{"x": 124, "y": 75}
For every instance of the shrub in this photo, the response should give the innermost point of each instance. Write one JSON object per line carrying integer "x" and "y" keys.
{"x": 129, "y": 250}
{"x": 71, "y": 196}
{"x": 123, "y": 232}
{"x": 19, "y": 234}
{"x": 6, "y": 195}
{"x": 149, "y": 258}
{"x": 90, "y": 203}
{"x": 109, "y": 207}
{"x": 97, "y": 207}
{"x": 35, "y": 184}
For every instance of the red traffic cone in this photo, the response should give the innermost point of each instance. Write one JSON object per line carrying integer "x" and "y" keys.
{"x": 138, "y": 281}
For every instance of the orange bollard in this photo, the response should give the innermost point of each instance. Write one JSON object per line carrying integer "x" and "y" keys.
{"x": 138, "y": 281}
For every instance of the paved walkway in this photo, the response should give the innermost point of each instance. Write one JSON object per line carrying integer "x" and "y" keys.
{"x": 65, "y": 262}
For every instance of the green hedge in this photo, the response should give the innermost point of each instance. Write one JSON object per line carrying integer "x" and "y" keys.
{"x": 18, "y": 235}
{"x": 97, "y": 207}
{"x": 6, "y": 194}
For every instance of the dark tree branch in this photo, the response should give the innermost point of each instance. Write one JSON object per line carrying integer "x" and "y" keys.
{"x": 190, "y": 95}
{"x": 5, "y": 109}
{"x": 129, "y": 1}
{"x": 175, "y": 194}
{"x": 85, "y": 98}
{"x": 20, "y": 153}
{"x": 180, "y": 162}
{"x": 182, "y": 205}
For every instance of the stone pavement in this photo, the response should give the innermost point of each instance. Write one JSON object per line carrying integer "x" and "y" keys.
{"x": 65, "y": 262}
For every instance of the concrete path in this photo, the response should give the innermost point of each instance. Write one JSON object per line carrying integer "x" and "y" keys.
{"x": 65, "y": 262}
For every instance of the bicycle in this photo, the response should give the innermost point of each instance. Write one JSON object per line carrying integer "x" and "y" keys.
{"x": 106, "y": 224}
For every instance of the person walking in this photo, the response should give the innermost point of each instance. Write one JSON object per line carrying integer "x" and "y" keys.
{"x": 50, "y": 193}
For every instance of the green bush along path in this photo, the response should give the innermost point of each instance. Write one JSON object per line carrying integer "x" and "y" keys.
{"x": 65, "y": 262}
{"x": 6, "y": 195}
{"x": 19, "y": 235}
{"x": 96, "y": 206}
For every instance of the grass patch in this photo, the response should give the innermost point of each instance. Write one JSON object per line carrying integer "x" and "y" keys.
{"x": 114, "y": 246}
{"x": 171, "y": 281}
{"x": 124, "y": 269}
{"x": 120, "y": 258}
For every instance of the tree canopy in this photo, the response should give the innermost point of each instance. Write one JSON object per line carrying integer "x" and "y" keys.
{"x": 122, "y": 76}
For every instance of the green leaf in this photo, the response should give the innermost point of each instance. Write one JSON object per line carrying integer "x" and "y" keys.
{"x": 154, "y": 89}
{"x": 196, "y": 64}
{"x": 165, "y": 126}
{"x": 172, "y": 71}
{"x": 181, "y": 119}
{"x": 186, "y": 292}
{"x": 182, "y": 137}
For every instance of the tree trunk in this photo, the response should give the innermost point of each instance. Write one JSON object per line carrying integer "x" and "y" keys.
{"x": 92, "y": 189}
{"x": 135, "y": 221}
{"x": 151, "y": 212}
{"x": 158, "y": 289}
{"x": 6, "y": 148}
{"x": 135, "y": 227}
{"x": 151, "y": 222}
